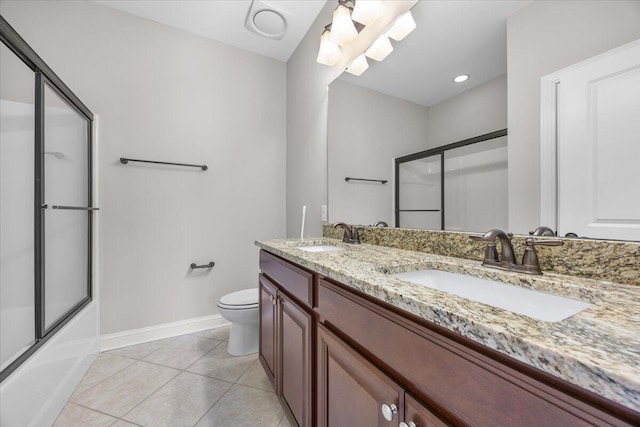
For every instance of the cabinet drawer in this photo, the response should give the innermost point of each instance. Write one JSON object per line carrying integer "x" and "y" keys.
{"x": 463, "y": 385}
{"x": 294, "y": 280}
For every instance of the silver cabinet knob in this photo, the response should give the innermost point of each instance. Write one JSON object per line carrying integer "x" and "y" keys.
{"x": 389, "y": 411}
{"x": 409, "y": 424}
{"x": 273, "y": 299}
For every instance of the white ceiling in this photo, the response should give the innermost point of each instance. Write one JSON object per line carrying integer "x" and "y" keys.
{"x": 451, "y": 38}
{"x": 224, "y": 20}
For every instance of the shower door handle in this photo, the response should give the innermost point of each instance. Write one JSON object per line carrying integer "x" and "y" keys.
{"x": 71, "y": 208}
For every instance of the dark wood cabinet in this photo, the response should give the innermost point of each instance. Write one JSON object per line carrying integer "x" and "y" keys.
{"x": 268, "y": 317}
{"x": 354, "y": 392}
{"x": 351, "y": 391}
{"x": 336, "y": 356}
{"x": 295, "y": 348}
{"x": 287, "y": 349}
{"x": 418, "y": 414}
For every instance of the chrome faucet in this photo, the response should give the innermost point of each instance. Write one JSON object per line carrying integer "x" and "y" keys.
{"x": 349, "y": 236}
{"x": 507, "y": 260}
{"x": 380, "y": 224}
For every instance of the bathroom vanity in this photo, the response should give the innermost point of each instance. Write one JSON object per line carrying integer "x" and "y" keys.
{"x": 346, "y": 343}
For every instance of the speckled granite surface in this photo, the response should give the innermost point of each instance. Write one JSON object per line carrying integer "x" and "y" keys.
{"x": 597, "y": 349}
{"x": 615, "y": 261}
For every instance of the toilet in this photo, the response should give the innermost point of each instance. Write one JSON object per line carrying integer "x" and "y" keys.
{"x": 241, "y": 309}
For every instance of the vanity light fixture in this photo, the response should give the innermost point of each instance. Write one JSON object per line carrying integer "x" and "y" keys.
{"x": 329, "y": 52}
{"x": 367, "y": 11}
{"x": 461, "y": 78}
{"x": 358, "y": 66}
{"x": 380, "y": 48}
{"x": 402, "y": 27}
{"x": 348, "y": 19}
{"x": 342, "y": 29}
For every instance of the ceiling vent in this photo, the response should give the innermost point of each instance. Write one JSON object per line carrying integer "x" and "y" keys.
{"x": 265, "y": 20}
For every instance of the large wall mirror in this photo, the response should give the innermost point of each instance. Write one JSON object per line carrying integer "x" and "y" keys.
{"x": 409, "y": 103}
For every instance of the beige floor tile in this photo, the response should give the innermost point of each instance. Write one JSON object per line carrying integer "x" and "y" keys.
{"x": 220, "y": 334}
{"x": 181, "y": 402}
{"x": 219, "y": 364}
{"x": 182, "y": 351}
{"x": 120, "y": 393}
{"x": 74, "y": 415}
{"x": 244, "y": 406}
{"x": 255, "y": 377}
{"x": 123, "y": 423}
{"x": 102, "y": 368}
{"x": 140, "y": 351}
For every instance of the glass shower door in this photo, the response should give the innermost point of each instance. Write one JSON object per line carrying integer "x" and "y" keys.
{"x": 45, "y": 205}
{"x": 66, "y": 210}
{"x": 476, "y": 186}
{"x": 419, "y": 203}
{"x": 17, "y": 251}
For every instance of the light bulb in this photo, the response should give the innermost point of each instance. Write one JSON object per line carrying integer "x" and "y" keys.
{"x": 342, "y": 28}
{"x": 358, "y": 66}
{"x": 461, "y": 78}
{"x": 367, "y": 11}
{"x": 329, "y": 52}
{"x": 380, "y": 48}
{"x": 403, "y": 26}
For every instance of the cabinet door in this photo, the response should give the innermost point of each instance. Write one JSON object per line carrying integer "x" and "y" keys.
{"x": 268, "y": 294}
{"x": 418, "y": 414}
{"x": 295, "y": 327}
{"x": 351, "y": 391}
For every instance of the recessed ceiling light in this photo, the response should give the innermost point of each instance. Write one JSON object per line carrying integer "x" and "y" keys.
{"x": 461, "y": 78}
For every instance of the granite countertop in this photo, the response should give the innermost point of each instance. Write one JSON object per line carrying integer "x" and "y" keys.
{"x": 597, "y": 349}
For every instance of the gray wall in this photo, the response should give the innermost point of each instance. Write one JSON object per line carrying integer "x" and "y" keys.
{"x": 366, "y": 131}
{"x": 477, "y": 111}
{"x": 307, "y": 83}
{"x": 164, "y": 94}
{"x": 544, "y": 37}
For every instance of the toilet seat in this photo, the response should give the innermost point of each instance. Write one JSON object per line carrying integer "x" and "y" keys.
{"x": 240, "y": 300}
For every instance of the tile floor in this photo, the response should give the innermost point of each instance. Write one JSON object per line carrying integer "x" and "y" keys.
{"x": 188, "y": 380}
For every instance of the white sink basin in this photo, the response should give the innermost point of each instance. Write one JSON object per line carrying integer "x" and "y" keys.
{"x": 536, "y": 304}
{"x": 320, "y": 248}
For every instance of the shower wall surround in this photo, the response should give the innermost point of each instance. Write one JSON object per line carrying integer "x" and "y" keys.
{"x": 614, "y": 261}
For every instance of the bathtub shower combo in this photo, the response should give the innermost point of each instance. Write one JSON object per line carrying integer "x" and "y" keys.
{"x": 48, "y": 318}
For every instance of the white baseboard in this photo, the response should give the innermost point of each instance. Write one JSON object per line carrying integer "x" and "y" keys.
{"x": 158, "y": 332}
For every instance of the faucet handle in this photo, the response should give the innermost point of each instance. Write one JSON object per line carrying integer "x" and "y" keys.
{"x": 544, "y": 242}
{"x": 530, "y": 258}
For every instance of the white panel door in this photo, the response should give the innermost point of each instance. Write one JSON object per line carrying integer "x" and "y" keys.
{"x": 598, "y": 107}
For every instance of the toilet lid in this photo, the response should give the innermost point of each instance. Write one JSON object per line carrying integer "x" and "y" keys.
{"x": 245, "y": 297}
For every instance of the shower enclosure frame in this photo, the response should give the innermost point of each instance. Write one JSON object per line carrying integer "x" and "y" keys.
{"x": 438, "y": 151}
{"x": 45, "y": 77}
